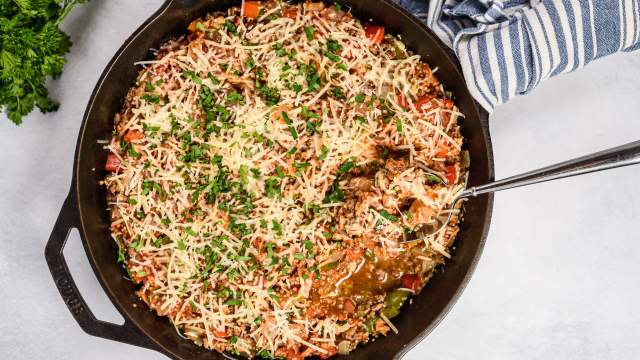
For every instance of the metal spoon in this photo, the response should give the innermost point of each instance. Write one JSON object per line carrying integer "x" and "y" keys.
{"x": 624, "y": 155}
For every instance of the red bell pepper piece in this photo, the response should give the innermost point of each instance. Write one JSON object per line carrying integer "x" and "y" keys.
{"x": 451, "y": 174}
{"x": 251, "y": 9}
{"x": 290, "y": 12}
{"x": 113, "y": 163}
{"x": 412, "y": 282}
{"x": 133, "y": 135}
{"x": 374, "y": 33}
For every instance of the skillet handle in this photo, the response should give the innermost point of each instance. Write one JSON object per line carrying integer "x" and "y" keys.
{"x": 126, "y": 333}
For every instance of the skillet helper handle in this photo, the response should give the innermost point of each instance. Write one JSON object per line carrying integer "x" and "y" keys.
{"x": 67, "y": 220}
{"x": 625, "y": 155}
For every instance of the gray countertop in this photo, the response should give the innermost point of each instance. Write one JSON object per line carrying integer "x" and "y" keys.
{"x": 558, "y": 278}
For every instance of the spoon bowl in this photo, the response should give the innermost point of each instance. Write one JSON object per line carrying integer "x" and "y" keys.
{"x": 625, "y": 155}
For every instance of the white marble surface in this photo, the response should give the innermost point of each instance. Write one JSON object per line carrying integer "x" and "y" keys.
{"x": 558, "y": 278}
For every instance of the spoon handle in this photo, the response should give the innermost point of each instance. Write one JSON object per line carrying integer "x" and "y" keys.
{"x": 624, "y": 155}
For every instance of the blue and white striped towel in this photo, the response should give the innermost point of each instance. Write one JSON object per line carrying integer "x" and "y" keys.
{"x": 506, "y": 47}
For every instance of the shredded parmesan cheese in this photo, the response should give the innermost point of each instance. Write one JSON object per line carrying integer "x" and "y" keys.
{"x": 266, "y": 166}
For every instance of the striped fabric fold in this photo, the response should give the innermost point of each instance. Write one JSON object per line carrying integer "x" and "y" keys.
{"x": 507, "y": 47}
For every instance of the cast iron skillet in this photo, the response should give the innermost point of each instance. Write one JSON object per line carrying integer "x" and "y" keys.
{"x": 85, "y": 207}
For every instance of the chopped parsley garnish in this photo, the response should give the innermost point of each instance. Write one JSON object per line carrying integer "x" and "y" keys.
{"x": 272, "y": 295}
{"x": 270, "y": 254}
{"x": 132, "y": 152}
{"x": 190, "y": 231}
{"x": 265, "y": 354}
{"x": 250, "y": 63}
{"x": 279, "y": 48}
{"x": 312, "y": 126}
{"x": 272, "y": 187}
{"x": 270, "y": 250}
{"x": 232, "y": 275}
{"x": 233, "y": 302}
{"x": 231, "y": 27}
{"x": 121, "y": 254}
{"x": 308, "y": 245}
{"x": 150, "y": 129}
{"x": 347, "y": 166}
{"x": 384, "y": 153}
{"x": 224, "y": 293}
{"x": 291, "y": 151}
{"x": 188, "y": 74}
{"x": 301, "y": 165}
{"x": 385, "y": 214}
{"x": 324, "y": 151}
{"x": 292, "y": 129}
{"x": 333, "y": 57}
{"x": 214, "y": 81}
{"x": 136, "y": 245}
{"x": 333, "y": 46}
{"x": 308, "y": 114}
{"x": 217, "y": 116}
{"x": 243, "y": 172}
{"x": 255, "y": 172}
{"x": 309, "y": 31}
{"x": 277, "y": 227}
{"x": 337, "y": 93}
{"x": 270, "y": 95}
{"x": 235, "y": 98}
{"x": 239, "y": 229}
{"x": 125, "y": 146}
{"x": 359, "y": 98}
{"x": 334, "y": 195}
{"x": 312, "y": 77}
{"x": 152, "y": 98}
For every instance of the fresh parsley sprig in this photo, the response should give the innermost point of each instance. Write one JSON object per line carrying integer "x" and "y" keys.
{"x": 32, "y": 48}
